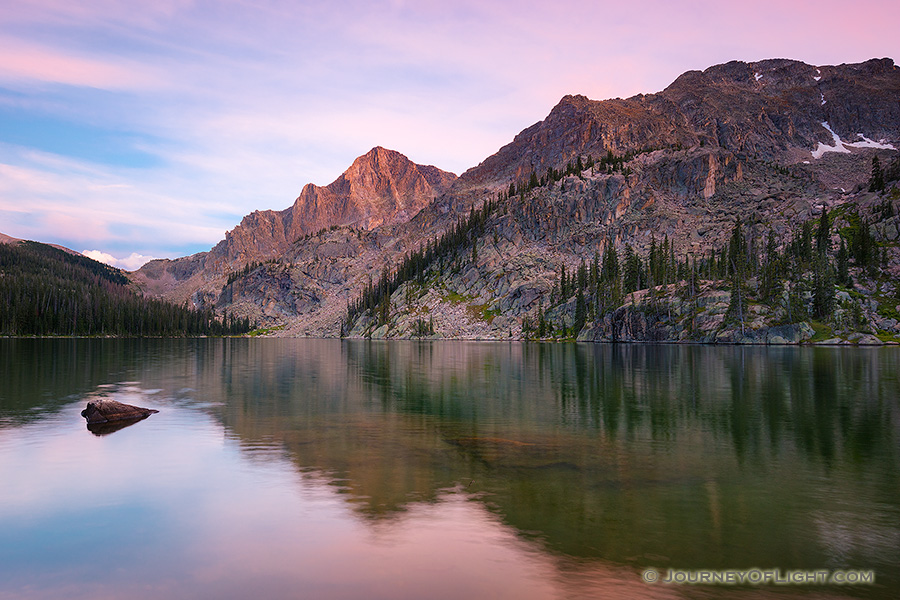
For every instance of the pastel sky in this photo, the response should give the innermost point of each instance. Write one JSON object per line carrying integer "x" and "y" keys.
{"x": 148, "y": 129}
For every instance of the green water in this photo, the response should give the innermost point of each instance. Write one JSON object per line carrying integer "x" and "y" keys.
{"x": 329, "y": 469}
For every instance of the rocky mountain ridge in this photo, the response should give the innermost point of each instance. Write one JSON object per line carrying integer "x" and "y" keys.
{"x": 381, "y": 187}
{"x": 770, "y": 142}
{"x": 773, "y": 109}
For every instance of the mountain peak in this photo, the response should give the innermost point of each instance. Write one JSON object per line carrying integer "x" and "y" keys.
{"x": 380, "y": 151}
{"x": 380, "y": 187}
{"x": 377, "y": 154}
{"x": 378, "y": 159}
{"x": 774, "y": 108}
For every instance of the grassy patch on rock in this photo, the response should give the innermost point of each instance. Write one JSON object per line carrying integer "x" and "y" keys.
{"x": 263, "y": 331}
{"x": 481, "y": 311}
{"x": 456, "y": 298}
{"x": 823, "y": 332}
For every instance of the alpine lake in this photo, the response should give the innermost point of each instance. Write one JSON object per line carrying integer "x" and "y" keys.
{"x": 330, "y": 469}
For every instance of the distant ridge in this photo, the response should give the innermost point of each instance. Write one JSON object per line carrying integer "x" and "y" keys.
{"x": 7, "y": 239}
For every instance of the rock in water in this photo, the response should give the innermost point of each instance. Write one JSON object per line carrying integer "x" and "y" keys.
{"x": 104, "y": 411}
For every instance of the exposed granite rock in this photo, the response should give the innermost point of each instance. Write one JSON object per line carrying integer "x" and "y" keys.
{"x": 105, "y": 411}
{"x": 868, "y": 340}
{"x": 726, "y": 106}
{"x": 382, "y": 187}
{"x": 666, "y": 319}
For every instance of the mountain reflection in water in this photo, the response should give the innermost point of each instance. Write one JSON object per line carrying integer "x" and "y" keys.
{"x": 504, "y": 470}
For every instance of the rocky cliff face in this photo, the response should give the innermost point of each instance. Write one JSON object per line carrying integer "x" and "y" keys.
{"x": 381, "y": 187}
{"x": 772, "y": 108}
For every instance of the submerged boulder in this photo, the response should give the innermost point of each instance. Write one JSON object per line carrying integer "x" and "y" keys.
{"x": 104, "y": 411}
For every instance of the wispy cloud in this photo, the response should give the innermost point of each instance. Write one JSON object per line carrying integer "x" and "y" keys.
{"x": 25, "y": 62}
{"x": 53, "y": 199}
{"x": 152, "y": 128}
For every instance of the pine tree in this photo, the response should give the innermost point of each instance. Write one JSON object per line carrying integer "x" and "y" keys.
{"x": 653, "y": 262}
{"x": 823, "y": 288}
{"x": 823, "y": 234}
{"x": 876, "y": 183}
{"x": 737, "y": 264}
{"x": 770, "y": 282}
{"x": 632, "y": 276}
{"x": 737, "y": 251}
{"x": 384, "y": 310}
{"x": 563, "y": 284}
{"x": 805, "y": 250}
{"x": 673, "y": 265}
{"x": 862, "y": 246}
{"x": 609, "y": 282}
{"x": 542, "y": 321}
{"x": 610, "y": 270}
{"x": 582, "y": 275}
{"x": 843, "y": 274}
{"x": 580, "y": 312}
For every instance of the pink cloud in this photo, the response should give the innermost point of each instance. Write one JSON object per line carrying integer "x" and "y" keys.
{"x": 247, "y": 102}
{"x": 55, "y": 201}
{"x": 69, "y": 13}
{"x": 24, "y": 61}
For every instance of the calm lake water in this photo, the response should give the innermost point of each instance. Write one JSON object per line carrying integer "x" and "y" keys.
{"x": 329, "y": 469}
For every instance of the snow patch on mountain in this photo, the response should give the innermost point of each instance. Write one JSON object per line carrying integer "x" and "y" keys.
{"x": 842, "y": 146}
{"x": 867, "y": 143}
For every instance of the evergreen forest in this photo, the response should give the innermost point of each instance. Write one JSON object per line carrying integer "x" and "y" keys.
{"x": 48, "y": 291}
